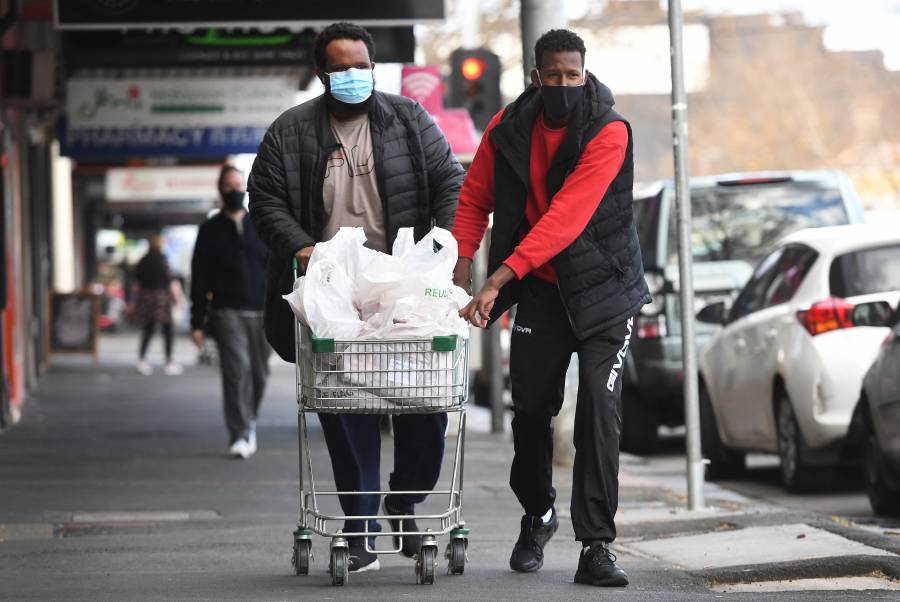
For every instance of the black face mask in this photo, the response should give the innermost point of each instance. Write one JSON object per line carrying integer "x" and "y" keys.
{"x": 343, "y": 108}
{"x": 560, "y": 101}
{"x": 233, "y": 200}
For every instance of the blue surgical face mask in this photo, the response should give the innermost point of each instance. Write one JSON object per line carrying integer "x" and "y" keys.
{"x": 352, "y": 86}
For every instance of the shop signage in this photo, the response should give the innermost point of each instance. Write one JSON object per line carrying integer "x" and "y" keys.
{"x": 177, "y": 101}
{"x": 107, "y": 117}
{"x": 424, "y": 85}
{"x": 143, "y": 184}
{"x": 214, "y": 48}
{"x": 121, "y": 14}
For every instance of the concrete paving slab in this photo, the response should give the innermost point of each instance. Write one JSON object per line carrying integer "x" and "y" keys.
{"x": 808, "y": 585}
{"x": 142, "y": 516}
{"x": 753, "y": 545}
{"x": 25, "y": 531}
{"x": 657, "y": 514}
{"x": 129, "y": 517}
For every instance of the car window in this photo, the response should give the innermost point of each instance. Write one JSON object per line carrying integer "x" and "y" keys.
{"x": 792, "y": 267}
{"x": 753, "y": 295}
{"x": 741, "y": 222}
{"x": 866, "y": 271}
{"x": 646, "y": 219}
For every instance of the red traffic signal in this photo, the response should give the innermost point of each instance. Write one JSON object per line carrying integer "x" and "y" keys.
{"x": 474, "y": 83}
{"x": 472, "y": 68}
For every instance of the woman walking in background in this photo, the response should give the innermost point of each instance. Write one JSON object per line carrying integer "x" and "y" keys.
{"x": 153, "y": 283}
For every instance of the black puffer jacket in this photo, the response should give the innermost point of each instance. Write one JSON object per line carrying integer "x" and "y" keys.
{"x": 418, "y": 181}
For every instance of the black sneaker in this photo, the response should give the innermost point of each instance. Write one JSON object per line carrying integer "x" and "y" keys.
{"x": 597, "y": 566}
{"x": 411, "y": 543}
{"x": 362, "y": 560}
{"x": 528, "y": 553}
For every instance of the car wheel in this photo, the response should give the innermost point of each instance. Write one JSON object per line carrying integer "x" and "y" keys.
{"x": 796, "y": 474}
{"x": 639, "y": 424}
{"x": 722, "y": 463}
{"x": 884, "y": 499}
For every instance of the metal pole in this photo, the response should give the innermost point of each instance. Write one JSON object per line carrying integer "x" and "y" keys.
{"x": 469, "y": 13}
{"x": 536, "y": 18}
{"x": 695, "y": 463}
{"x": 494, "y": 361}
{"x": 491, "y": 354}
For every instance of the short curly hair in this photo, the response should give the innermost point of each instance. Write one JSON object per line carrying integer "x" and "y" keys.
{"x": 341, "y": 31}
{"x": 558, "y": 40}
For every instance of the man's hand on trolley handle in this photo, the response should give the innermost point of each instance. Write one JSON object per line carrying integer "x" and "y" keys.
{"x": 478, "y": 311}
{"x": 303, "y": 256}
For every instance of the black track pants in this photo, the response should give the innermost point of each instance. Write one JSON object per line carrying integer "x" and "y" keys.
{"x": 541, "y": 347}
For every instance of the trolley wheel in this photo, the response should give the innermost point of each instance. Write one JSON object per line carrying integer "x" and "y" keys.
{"x": 302, "y": 556}
{"x": 425, "y": 565}
{"x": 456, "y": 554}
{"x": 340, "y": 566}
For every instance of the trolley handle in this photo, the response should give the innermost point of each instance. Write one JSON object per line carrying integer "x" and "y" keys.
{"x": 438, "y": 343}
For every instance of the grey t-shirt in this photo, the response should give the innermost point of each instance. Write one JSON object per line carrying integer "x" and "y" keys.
{"x": 351, "y": 190}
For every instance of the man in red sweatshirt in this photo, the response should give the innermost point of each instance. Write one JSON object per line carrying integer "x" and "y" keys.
{"x": 555, "y": 168}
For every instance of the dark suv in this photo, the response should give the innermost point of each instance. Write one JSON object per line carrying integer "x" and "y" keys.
{"x": 736, "y": 218}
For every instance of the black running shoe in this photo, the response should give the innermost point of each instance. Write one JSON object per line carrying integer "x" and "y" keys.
{"x": 362, "y": 560}
{"x": 528, "y": 553}
{"x": 597, "y": 566}
{"x": 411, "y": 543}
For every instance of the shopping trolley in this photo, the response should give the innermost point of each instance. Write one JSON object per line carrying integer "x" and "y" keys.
{"x": 392, "y": 376}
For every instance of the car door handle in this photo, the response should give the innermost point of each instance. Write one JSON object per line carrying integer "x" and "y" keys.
{"x": 741, "y": 343}
{"x": 772, "y": 334}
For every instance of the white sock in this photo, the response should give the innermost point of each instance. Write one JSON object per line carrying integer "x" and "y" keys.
{"x": 546, "y": 518}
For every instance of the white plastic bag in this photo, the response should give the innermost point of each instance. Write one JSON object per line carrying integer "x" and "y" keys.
{"x": 412, "y": 293}
{"x": 323, "y": 298}
{"x": 382, "y": 274}
{"x": 350, "y": 291}
{"x": 411, "y": 317}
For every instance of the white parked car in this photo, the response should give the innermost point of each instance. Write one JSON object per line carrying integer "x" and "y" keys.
{"x": 784, "y": 372}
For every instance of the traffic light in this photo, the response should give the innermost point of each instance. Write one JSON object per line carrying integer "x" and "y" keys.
{"x": 475, "y": 84}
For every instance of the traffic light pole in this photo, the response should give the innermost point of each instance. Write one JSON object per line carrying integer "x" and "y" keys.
{"x": 695, "y": 465}
{"x": 536, "y": 18}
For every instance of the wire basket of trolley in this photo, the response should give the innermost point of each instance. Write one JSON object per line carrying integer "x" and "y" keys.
{"x": 390, "y": 375}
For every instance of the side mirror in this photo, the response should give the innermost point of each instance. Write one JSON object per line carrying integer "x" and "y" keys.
{"x": 876, "y": 313}
{"x": 713, "y": 313}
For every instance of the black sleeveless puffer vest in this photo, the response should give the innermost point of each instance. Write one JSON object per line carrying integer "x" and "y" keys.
{"x": 601, "y": 274}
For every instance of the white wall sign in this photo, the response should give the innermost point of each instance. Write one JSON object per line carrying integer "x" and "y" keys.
{"x": 178, "y": 102}
{"x": 143, "y": 184}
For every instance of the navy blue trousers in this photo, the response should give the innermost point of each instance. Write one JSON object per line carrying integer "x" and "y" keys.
{"x": 354, "y": 444}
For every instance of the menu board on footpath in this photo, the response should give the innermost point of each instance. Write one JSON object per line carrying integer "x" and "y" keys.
{"x": 73, "y": 323}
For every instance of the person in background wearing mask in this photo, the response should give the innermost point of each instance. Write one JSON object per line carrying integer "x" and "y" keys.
{"x": 555, "y": 167}
{"x": 154, "y": 289}
{"x": 354, "y": 157}
{"x": 227, "y": 294}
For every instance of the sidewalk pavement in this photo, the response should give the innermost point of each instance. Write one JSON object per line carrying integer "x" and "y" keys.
{"x": 118, "y": 487}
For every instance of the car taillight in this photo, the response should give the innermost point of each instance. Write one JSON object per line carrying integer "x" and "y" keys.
{"x": 827, "y": 315}
{"x": 651, "y": 327}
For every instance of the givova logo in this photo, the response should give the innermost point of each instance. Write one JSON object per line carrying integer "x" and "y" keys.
{"x": 620, "y": 358}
